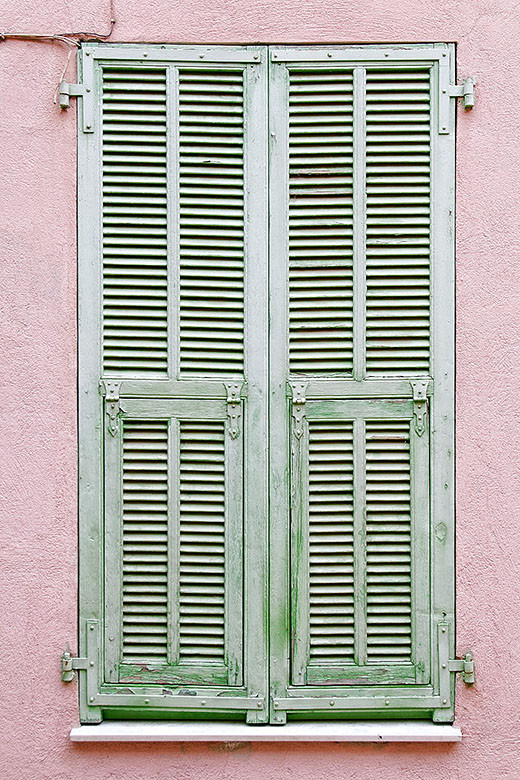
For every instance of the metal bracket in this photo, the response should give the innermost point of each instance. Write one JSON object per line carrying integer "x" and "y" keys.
{"x": 447, "y": 91}
{"x": 70, "y": 90}
{"x": 298, "y": 406}
{"x": 466, "y": 666}
{"x": 69, "y": 664}
{"x": 420, "y": 403}
{"x": 111, "y": 393}
{"x": 234, "y": 405}
{"x": 466, "y": 91}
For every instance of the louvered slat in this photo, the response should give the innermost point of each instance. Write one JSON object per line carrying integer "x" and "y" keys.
{"x": 388, "y": 541}
{"x": 331, "y": 608}
{"x": 202, "y": 542}
{"x": 145, "y": 541}
{"x": 211, "y": 222}
{"x": 398, "y": 182}
{"x": 135, "y": 287}
{"x": 320, "y": 222}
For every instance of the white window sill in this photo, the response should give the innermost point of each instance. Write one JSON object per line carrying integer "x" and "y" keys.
{"x": 181, "y": 731}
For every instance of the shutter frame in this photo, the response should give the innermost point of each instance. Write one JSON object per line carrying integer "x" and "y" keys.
{"x": 422, "y": 695}
{"x": 96, "y": 696}
{"x": 101, "y": 689}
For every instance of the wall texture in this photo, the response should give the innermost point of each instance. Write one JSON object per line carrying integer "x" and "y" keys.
{"x": 38, "y": 406}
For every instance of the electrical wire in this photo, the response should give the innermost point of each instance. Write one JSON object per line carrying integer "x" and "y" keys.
{"x": 72, "y": 39}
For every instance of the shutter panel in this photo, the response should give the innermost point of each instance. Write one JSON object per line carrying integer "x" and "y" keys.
{"x": 356, "y": 185}
{"x": 365, "y": 622}
{"x": 135, "y": 252}
{"x": 211, "y": 222}
{"x": 320, "y": 222}
{"x": 398, "y": 184}
{"x": 174, "y": 296}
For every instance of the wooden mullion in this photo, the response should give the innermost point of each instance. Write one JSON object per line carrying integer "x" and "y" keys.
{"x": 359, "y": 221}
{"x": 113, "y": 551}
{"x": 299, "y": 565}
{"x": 234, "y": 573}
{"x": 279, "y": 407}
{"x": 360, "y": 600}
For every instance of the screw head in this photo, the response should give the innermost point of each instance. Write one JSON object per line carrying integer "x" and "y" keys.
{"x": 88, "y": 128}
{"x": 332, "y": 702}
{"x": 91, "y": 698}
{"x": 91, "y": 663}
{"x": 87, "y": 54}
{"x": 91, "y": 627}
{"x": 444, "y": 666}
{"x": 259, "y": 705}
{"x": 445, "y": 701}
{"x": 145, "y": 54}
{"x": 387, "y": 702}
{"x": 147, "y": 701}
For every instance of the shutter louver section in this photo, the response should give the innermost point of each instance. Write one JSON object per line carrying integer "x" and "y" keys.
{"x": 211, "y": 222}
{"x": 320, "y": 222}
{"x": 145, "y": 541}
{"x": 202, "y": 536}
{"x": 398, "y": 183}
{"x": 388, "y": 541}
{"x": 135, "y": 261}
{"x": 331, "y": 532}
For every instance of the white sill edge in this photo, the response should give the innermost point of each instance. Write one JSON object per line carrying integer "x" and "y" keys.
{"x": 181, "y": 731}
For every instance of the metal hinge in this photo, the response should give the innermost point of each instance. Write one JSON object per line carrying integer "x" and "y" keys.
{"x": 464, "y": 665}
{"x": 83, "y": 91}
{"x": 420, "y": 403}
{"x": 70, "y": 663}
{"x": 447, "y": 91}
{"x": 234, "y": 406}
{"x": 466, "y": 91}
{"x": 111, "y": 392}
{"x": 298, "y": 406}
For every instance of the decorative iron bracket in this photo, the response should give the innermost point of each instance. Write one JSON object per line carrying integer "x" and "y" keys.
{"x": 111, "y": 393}
{"x": 234, "y": 405}
{"x": 420, "y": 403}
{"x": 298, "y": 406}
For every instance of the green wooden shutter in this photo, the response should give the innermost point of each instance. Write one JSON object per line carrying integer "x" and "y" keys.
{"x": 361, "y": 260}
{"x": 173, "y": 309}
{"x": 177, "y": 452}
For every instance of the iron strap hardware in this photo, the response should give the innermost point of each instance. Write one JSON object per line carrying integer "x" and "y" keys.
{"x": 420, "y": 404}
{"x": 466, "y": 91}
{"x": 111, "y": 393}
{"x": 298, "y": 406}
{"x": 234, "y": 405}
{"x": 466, "y": 666}
{"x": 70, "y": 663}
{"x": 85, "y": 93}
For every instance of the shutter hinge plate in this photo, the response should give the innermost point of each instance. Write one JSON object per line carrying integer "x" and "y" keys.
{"x": 111, "y": 392}
{"x": 298, "y": 406}
{"x": 447, "y": 91}
{"x": 70, "y": 663}
{"x": 234, "y": 406}
{"x": 466, "y": 666}
{"x": 420, "y": 403}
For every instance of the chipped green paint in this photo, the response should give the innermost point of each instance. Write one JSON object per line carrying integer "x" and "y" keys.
{"x": 342, "y": 321}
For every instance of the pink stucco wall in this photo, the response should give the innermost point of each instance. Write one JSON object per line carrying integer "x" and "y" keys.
{"x": 38, "y": 394}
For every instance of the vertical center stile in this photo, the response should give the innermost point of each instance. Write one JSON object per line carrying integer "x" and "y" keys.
{"x": 359, "y": 220}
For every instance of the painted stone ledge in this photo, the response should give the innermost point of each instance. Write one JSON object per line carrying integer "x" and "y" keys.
{"x": 179, "y": 731}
